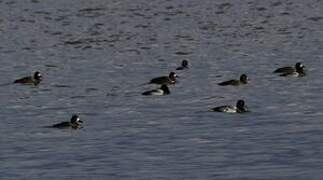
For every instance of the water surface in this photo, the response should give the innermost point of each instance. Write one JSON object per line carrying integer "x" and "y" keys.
{"x": 95, "y": 56}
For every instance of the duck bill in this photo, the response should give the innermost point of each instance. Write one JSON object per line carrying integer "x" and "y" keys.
{"x": 246, "y": 109}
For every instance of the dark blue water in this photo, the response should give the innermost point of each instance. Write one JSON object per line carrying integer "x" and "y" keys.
{"x": 95, "y": 56}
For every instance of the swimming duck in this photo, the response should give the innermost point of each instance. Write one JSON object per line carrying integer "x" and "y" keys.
{"x": 170, "y": 79}
{"x": 35, "y": 79}
{"x": 296, "y": 71}
{"x": 234, "y": 82}
{"x": 239, "y": 108}
{"x": 184, "y": 65}
{"x": 163, "y": 90}
{"x": 74, "y": 123}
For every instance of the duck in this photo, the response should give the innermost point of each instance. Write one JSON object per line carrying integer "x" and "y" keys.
{"x": 183, "y": 66}
{"x": 35, "y": 79}
{"x": 239, "y": 108}
{"x": 170, "y": 79}
{"x": 163, "y": 90}
{"x": 74, "y": 123}
{"x": 234, "y": 82}
{"x": 297, "y": 71}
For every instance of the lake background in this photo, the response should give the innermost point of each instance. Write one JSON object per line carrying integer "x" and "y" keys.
{"x": 95, "y": 57}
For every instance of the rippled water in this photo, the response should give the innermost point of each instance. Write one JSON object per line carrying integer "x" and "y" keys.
{"x": 95, "y": 56}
